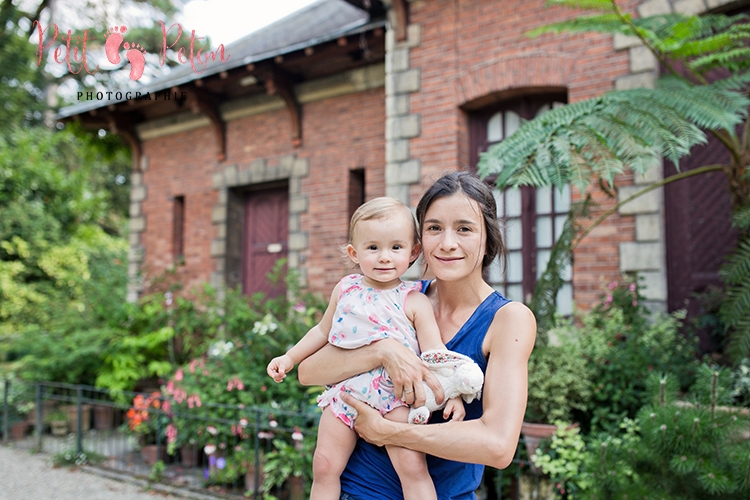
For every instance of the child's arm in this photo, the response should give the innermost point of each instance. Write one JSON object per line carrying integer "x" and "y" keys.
{"x": 313, "y": 340}
{"x": 419, "y": 311}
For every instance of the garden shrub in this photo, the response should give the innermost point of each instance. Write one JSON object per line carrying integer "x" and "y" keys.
{"x": 624, "y": 343}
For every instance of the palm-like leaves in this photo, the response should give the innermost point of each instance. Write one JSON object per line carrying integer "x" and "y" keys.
{"x": 735, "y": 309}
{"x": 601, "y": 137}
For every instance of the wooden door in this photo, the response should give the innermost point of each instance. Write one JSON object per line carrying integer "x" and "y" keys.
{"x": 698, "y": 230}
{"x": 265, "y": 241}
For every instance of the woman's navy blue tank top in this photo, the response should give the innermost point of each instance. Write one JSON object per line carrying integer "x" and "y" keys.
{"x": 369, "y": 474}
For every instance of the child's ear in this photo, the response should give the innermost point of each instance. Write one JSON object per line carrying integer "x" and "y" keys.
{"x": 352, "y": 253}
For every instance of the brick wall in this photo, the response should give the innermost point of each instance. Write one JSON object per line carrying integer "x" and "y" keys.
{"x": 339, "y": 134}
{"x": 470, "y": 50}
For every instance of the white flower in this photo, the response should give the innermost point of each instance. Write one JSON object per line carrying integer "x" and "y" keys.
{"x": 209, "y": 449}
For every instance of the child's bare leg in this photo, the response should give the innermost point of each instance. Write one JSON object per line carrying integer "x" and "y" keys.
{"x": 410, "y": 465}
{"x": 335, "y": 445}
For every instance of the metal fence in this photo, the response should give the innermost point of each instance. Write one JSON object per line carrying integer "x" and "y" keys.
{"x": 211, "y": 448}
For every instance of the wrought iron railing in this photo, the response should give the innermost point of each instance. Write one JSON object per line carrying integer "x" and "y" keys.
{"x": 209, "y": 448}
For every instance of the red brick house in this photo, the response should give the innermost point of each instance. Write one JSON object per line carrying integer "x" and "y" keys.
{"x": 346, "y": 100}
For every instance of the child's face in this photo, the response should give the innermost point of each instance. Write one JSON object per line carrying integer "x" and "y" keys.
{"x": 383, "y": 248}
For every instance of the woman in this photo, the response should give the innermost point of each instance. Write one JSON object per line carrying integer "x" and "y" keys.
{"x": 460, "y": 238}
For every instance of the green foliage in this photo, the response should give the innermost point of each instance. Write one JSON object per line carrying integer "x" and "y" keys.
{"x": 288, "y": 460}
{"x": 735, "y": 273}
{"x": 600, "y": 137}
{"x": 676, "y": 450}
{"x": 559, "y": 383}
{"x": 622, "y": 344}
{"x": 740, "y": 381}
{"x": 562, "y": 458}
{"x": 157, "y": 471}
{"x": 73, "y": 458}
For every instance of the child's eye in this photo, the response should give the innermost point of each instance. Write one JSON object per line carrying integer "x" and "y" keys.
{"x": 397, "y": 247}
{"x": 372, "y": 247}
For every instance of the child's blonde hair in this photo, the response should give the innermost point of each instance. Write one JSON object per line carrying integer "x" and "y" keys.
{"x": 381, "y": 207}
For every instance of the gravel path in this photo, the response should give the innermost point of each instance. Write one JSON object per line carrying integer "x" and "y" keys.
{"x": 26, "y": 476}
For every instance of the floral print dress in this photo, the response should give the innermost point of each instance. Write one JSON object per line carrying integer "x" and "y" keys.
{"x": 365, "y": 315}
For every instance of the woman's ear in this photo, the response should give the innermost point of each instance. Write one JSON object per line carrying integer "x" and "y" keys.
{"x": 352, "y": 253}
{"x": 415, "y": 251}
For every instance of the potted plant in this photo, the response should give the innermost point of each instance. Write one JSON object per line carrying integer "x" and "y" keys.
{"x": 58, "y": 422}
{"x": 559, "y": 385}
{"x": 146, "y": 422}
{"x": 290, "y": 465}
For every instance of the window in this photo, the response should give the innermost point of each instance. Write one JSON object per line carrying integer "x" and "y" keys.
{"x": 356, "y": 190}
{"x": 178, "y": 228}
{"x": 534, "y": 218}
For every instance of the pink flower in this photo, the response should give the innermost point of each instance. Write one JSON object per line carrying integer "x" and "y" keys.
{"x": 171, "y": 433}
{"x": 299, "y": 307}
{"x": 193, "y": 365}
{"x": 178, "y": 374}
{"x": 635, "y": 303}
{"x": 212, "y": 430}
{"x": 632, "y": 287}
{"x": 167, "y": 407}
{"x": 609, "y": 299}
{"x": 374, "y": 319}
{"x": 612, "y": 285}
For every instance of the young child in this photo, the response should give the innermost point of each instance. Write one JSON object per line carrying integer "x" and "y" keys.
{"x": 383, "y": 241}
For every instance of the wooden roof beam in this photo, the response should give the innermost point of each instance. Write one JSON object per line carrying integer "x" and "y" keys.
{"x": 204, "y": 102}
{"x": 280, "y": 83}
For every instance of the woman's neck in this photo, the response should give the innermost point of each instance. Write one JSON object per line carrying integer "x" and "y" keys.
{"x": 455, "y": 301}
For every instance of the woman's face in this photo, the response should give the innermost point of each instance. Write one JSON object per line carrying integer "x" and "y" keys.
{"x": 454, "y": 237}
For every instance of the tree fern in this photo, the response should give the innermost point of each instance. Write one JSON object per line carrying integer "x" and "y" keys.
{"x": 735, "y": 273}
{"x": 632, "y": 128}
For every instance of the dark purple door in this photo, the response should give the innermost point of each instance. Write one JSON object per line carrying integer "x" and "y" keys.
{"x": 698, "y": 228}
{"x": 265, "y": 239}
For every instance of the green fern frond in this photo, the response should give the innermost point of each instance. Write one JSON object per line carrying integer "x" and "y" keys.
{"x": 741, "y": 218}
{"x": 605, "y": 5}
{"x": 599, "y": 23}
{"x": 733, "y": 60}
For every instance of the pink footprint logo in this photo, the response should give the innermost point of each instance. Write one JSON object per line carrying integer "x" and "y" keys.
{"x": 112, "y": 45}
{"x": 135, "y": 54}
{"x": 137, "y": 57}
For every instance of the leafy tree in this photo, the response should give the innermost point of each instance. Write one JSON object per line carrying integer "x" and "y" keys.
{"x": 598, "y": 138}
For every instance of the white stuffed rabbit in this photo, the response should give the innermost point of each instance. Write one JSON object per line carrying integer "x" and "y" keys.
{"x": 457, "y": 374}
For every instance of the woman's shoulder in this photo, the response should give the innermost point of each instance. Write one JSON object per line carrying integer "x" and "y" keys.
{"x": 514, "y": 319}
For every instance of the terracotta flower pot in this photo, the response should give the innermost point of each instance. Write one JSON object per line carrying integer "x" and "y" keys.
{"x": 150, "y": 456}
{"x": 532, "y": 434}
{"x": 189, "y": 455}
{"x": 18, "y": 430}
{"x": 59, "y": 427}
{"x": 103, "y": 417}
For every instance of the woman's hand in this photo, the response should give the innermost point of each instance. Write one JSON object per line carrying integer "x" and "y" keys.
{"x": 407, "y": 372}
{"x": 369, "y": 424}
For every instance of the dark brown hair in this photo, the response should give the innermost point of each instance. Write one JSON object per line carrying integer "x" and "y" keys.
{"x": 479, "y": 191}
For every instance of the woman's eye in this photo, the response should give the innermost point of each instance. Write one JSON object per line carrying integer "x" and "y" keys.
{"x": 464, "y": 229}
{"x": 433, "y": 228}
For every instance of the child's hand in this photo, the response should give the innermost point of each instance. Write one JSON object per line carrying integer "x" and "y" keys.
{"x": 279, "y": 367}
{"x": 454, "y": 407}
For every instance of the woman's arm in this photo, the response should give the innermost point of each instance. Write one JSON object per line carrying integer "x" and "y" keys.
{"x": 332, "y": 364}
{"x": 491, "y": 439}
